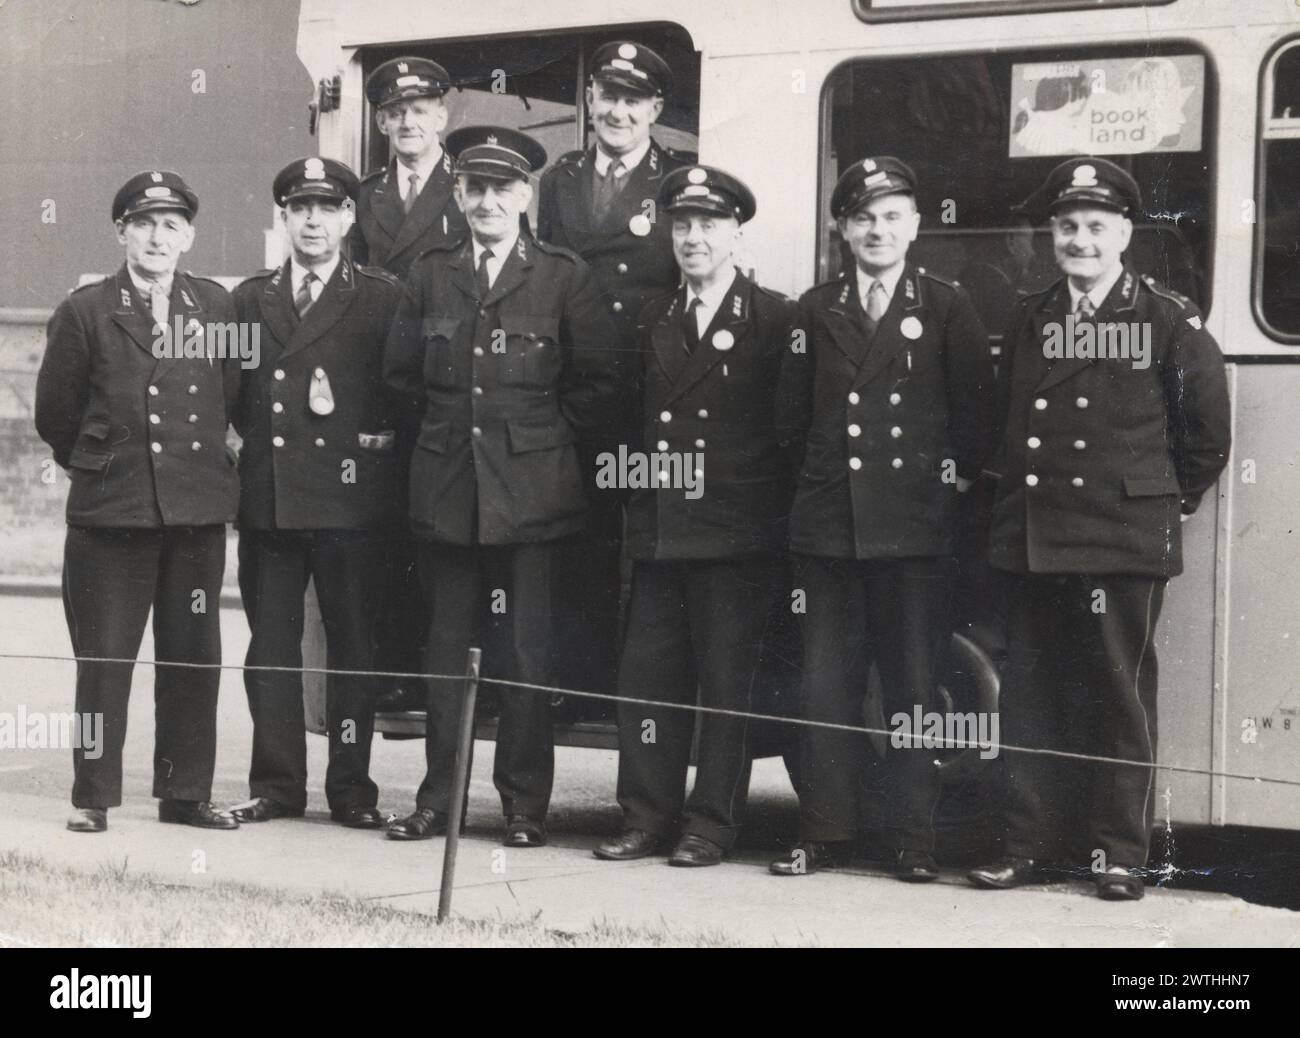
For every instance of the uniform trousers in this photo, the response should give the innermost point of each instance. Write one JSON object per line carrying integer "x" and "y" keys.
{"x": 893, "y": 613}
{"x": 112, "y": 577}
{"x": 512, "y": 585}
{"x": 274, "y": 567}
{"x": 1081, "y": 677}
{"x": 694, "y": 630}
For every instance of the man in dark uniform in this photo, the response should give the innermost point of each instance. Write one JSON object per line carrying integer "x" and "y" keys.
{"x": 601, "y": 204}
{"x": 708, "y": 556}
{"x": 134, "y": 399}
{"x": 506, "y": 341}
{"x": 897, "y": 386}
{"x": 1103, "y": 450}
{"x": 403, "y": 209}
{"x": 318, "y": 477}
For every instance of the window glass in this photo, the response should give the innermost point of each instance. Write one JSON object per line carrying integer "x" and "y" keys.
{"x": 1278, "y": 225}
{"x": 983, "y": 131}
{"x": 896, "y": 10}
{"x": 535, "y": 83}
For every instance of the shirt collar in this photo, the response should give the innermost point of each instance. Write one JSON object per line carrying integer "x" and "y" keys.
{"x": 297, "y": 272}
{"x": 711, "y": 298}
{"x": 423, "y": 169}
{"x": 1098, "y": 292}
{"x": 889, "y": 279}
{"x": 630, "y": 161}
{"x": 145, "y": 288}
{"x": 500, "y": 250}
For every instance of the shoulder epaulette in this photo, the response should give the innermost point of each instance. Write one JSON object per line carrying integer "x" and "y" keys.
{"x": 556, "y": 250}
{"x": 568, "y": 158}
{"x": 936, "y": 277}
{"x": 442, "y": 246}
{"x": 98, "y": 279}
{"x": 686, "y": 158}
{"x": 1166, "y": 293}
{"x": 264, "y": 273}
{"x": 825, "y": 284}
{"x": 200, "y": 277}
{"x": 771, "y": 293}
{"x": 378, "y": 273}
{"x": 374, "y": 173}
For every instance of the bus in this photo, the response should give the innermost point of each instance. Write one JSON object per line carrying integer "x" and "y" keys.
{"x": 1199, "y": 99}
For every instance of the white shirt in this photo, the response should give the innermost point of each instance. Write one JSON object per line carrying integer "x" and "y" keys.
{"x": 630, "y": 161}
{"x": 1098, "y": 292}
{"x": 297, "y": 272}
{"x": 424, "y": 170}
{"x": 710, "y": 299}
{"x": 145, "y": 288}
{"x": 500, "y": 251}
{"x": 888, "y": 280}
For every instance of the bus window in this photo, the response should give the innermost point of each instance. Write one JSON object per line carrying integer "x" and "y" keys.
{"x": 899, "y": 10}
{"x": 983, "y": 130}
{"x": 1277, "y": 225}
{"x": 535, "y": 83}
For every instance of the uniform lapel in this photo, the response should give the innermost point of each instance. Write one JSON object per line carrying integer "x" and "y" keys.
{"x": 434, "y": 196}
{"x": 889, "y": 340}
{"x": 335, "y": 298}
{"x": 131, "y": 315}
{"x": 513, "y": 272}
{"x": 386, "y": 202}
{"x": 461, "y": 270}
{"x": 669, "y": 341}
{"x": 277, "y": 307}
{"x": 844, "y": 321}
{"x": 724, "y": 338}
{"x": 641, "y": 183}
{"x": 185, "y": 307}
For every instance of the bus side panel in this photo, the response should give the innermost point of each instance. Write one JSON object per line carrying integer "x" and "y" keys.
{"x": 1262, "y": 704}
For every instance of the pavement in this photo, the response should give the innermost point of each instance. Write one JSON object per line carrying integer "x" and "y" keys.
{"x": 560, "y": 886}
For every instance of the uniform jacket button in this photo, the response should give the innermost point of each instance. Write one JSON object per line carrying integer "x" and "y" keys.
{"x": 320, "y": 442}
{"x": 1081, "y": 402}
{"x": 699, "y": 443}
{"x": 1040, "y": 404}
{"x": 896, "y": 432}
{"x": 855, "y": 464}
{"x": 704, "y": 412}
{"x": 195, "y": 446}
{"x": 1034, "y": 443}
{"x": 477, "y": 390}
{"x": 279, "y": 374}
{"x": 193, "y": 419}
{"x": 277, "y": 407}
{"x": 663, "y": 445}
{"x": 154, "y": 420}
{"x": 1080, "y": 444}
{"x": 478, "y": 351}
{"x": 622, "y": 268}
{"x": 617, "y": 307}
{"x": 1031, "y": 480}
{"x": 156, "y": 448}
{"x": 193, "y": 390}
{"x": 665, "y": 416}
{"x": 895, "y": 399}
{"x": 1077, "y": 481}
{"x": 897, "y": 463}
{"x": 153, "y": 390}
{"x": 277, "y": 441}
{"x": 476, "y": 431}
{"x": 854, "y": 398}
{"x": 855, "y": 430}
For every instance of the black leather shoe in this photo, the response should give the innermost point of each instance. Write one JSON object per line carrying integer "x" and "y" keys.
{"x": 401, "y": 698}
{"x": 424, "y": 824}
{"x": 1120, "y": 884}
{"x": 263, "y": 809}
{"x": 1006, "y": 873}
{"x": 633, "y": 843}
{"x": 915, "y": 867}
{"x": 358, "y": 818}
{"x": 808, "y": 856}
{"x": 695, "y": 852}
{"x": 88, "y": 820}
{"x": 522, "y": 831}
{"x": 198, "y": 813}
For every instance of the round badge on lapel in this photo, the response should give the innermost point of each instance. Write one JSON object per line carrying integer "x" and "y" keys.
{"x": 911, "y": 328}
{"x": 639, "y": 225}
{"x": 723, "y": 340}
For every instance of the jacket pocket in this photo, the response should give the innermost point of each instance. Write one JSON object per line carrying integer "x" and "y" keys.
{"x": 96, "y": 429}
{"x": 525, "y": 438}
{"x": 434, "y": 437}
{"x": 88, "y": 461}
{"x": 440, "y": 350}
{"x": 531, "y": 350}
{"x": 1150, "y": 486}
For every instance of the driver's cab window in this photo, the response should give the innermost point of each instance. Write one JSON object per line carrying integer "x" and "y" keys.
{"x": 1277, "y": 269}
{"x": 535, "y": 83}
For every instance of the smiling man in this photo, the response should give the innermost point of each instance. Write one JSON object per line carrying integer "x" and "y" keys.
{"x": 1099, "y": 461}
{"x": 319, "y": 482}
{"x": 706, "y": 567}
{"x": 143, "y": 439}
{"x": 895, "y": 389}
{"x": 505, "y": 344}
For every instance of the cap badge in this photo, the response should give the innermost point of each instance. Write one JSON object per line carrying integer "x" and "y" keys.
{"x": 403, "y": 67}
{"x": 627, "y": 51}
{"x": 626, "y": 66}
{"x": 1084, "y": 176}
{"x": 1195, "y": 322}
{"x": 313, "y": 169}
{"x": 320, "y": 397}
{"x": 697, "y": 176}
{"x": 157, "y": 192}
{"x": 694, "y": 190}
{"x": 639, "y": 225}
{"x": 723, "y": 340}
{"x": 492, "y": 138}
{"x": 156, "y": 177}
{"x": 875, "y": 178}
{"x": 869, "y": 165}
{"x": 911, "y": 328}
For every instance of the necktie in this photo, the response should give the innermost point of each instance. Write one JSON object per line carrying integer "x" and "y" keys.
{"x": 412, "y": 192}
{"x": 1085, "y": 309}
{"x": 607, "y": 188}
{"x": 481, "y": 279}
{"x": 876, "y": 305}
{"x": 159, "y": 305}
{"x": 303, "y": 300}
{"x": 691, "y": 327}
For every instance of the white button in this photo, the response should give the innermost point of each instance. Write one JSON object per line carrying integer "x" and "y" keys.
{"x": 156, "y": 448}
{"x": 854, "y": 398}
{"x": 663, "y": 445}
{"x": 895, "y": 399}
{"x": 896, "y": 432}
{"x": 1034, "y": 443}
{"x": 665, "y": 416}
{"x": 855, "y": 464}
{"x": 1077, "y": 481}
{"x": 855, "y": 430}
{"x": 319, "y": 372}
{"x": 320, "y": 442}
{"x": 1081, "y": 402}
{"x": 278, "y": 441}
{"x": 153, "y": 390}
{"x": 279, "y": 374}
{"x": 897, "y": 463}
{"x": 154, "y": 420}
{"x": 704, "y": 413}
{"x": 477, "y": 391}
{"x": 476, "y": 431}
{"x": 622, "y": 268}
{"x": 193, "y": 418}
{"x": 618, "y": 307}
{"x": 277, "y": 407}
{"x": 1080, "y": 444}
{"x": 699, "y": 443}
{"x": 663, "y": 477}
{"x": 478, "y": 351}
{"x": 193, "y": 390}
{"x": 1040, "y": 404}
{"x": 1031, "y": 480}
{"x": 699, "y": 473}
{"x": 195, "y": 446}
